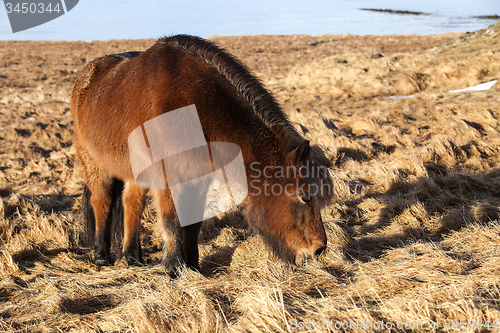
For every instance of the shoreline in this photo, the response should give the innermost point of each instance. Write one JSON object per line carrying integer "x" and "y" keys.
{"x": 236, "y": 36}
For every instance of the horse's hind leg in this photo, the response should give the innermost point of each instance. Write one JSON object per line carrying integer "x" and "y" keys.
{"x": 100, "y": 185}
{"x": 134, "y": 200}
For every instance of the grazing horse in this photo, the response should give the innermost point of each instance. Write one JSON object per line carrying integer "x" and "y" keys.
{"x": 118, "y": 93}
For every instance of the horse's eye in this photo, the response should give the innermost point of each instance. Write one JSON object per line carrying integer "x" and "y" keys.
{"x": 305, "y": 198}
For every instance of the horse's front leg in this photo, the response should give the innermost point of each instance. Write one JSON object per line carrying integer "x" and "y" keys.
{"x": 134, "y": 200}
{"x": 181, "y": 243}
{"x": 173, "y": 254}
{"x": 190, "y": 236}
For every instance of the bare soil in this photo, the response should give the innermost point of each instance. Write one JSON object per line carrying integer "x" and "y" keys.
{"x": 413, "y": 227}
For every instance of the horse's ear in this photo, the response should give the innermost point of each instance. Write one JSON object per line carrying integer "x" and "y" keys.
{"x": 299, "y": 155}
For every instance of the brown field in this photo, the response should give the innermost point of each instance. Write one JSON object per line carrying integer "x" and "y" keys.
{"x": 413, "y": 227}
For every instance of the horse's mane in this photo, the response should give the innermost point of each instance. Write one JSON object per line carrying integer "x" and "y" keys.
{"x": 263, "y": 103}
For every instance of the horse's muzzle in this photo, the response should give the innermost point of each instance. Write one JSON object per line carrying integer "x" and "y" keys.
{"x": 307, "y": 254}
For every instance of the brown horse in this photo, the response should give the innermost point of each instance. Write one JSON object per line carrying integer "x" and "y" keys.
{"x": 116, "y": 94}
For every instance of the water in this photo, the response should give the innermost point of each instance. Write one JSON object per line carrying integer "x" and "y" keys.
{"x": 102, "y": 20}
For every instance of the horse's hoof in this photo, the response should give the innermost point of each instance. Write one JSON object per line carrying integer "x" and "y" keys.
{"x": 173, "y": 271}
{"x": 173, "y": 268}
{"x": 133, "y": 261}
{"x": 133, "y": 253}
{"x": 195, "y": 268}
{"x": 101, "y": 260}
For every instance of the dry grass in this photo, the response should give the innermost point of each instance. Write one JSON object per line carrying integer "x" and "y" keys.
{"x": 413, "y": 228}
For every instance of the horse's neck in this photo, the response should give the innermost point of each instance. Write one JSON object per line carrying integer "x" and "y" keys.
{"x": 261, "y": 150}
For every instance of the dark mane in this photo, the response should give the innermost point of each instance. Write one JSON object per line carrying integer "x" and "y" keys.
{"x": 250, "y": 87}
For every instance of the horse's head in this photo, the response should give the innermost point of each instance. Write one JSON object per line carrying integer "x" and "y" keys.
{"x": 284, "y": 208}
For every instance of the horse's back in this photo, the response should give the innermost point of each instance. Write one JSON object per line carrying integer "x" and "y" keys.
{"x": 117, "y": 93}
{"x": 92, "y": 72}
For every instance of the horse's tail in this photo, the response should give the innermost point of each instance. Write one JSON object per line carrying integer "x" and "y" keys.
{"x": 115, "y": 218}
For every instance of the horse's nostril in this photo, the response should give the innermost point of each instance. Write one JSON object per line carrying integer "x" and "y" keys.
{"x": 320, "y": 250}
